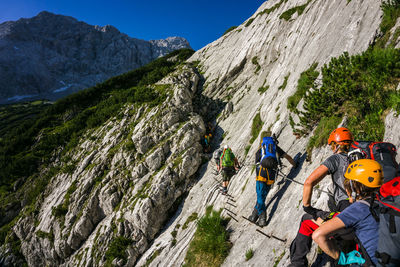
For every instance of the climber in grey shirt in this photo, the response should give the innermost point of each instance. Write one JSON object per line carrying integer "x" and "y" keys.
{"x": 340, "y": 141}
{"x": 336, "y": 165}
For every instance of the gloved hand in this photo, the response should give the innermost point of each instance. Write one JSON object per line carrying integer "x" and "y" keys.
{"x": 350, "y": 258}
{"x": 325, "y": 215}
{"x": 312, "y": 211}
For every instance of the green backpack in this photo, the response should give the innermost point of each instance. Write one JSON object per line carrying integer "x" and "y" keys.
{"x": 228, "y": 158}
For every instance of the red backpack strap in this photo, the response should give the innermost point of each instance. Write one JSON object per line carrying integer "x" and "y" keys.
{"x": 371, "y": 149}
{"x": 355, "y": 144}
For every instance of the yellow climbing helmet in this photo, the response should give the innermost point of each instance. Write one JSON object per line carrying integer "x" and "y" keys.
{"x": 366, "y": 171}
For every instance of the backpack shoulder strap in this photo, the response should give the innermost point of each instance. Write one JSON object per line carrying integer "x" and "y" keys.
{"x": 373, "y": 206}
{"x": 364, "y": 252}
{"x": 339, "y": 187}
{"x": 222, "y": 154}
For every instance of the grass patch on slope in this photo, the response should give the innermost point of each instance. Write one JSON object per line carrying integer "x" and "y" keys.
{"x": 249, "y": 22}
{"x": 254, "y": 60}
{"x": 117, "y": 249}
{"x": 249, "y": 254}
{"x": 287, "y": 15}
{"x": 391, "y": 12}
{"x": 210, "y": 244}
{"x": 230, "y": 29}
{"x": 263, "y": 88}
{"x": 305, "y": 82}
{"x": 322, "y": 132}
{"x": 272, "y": 9}
{"x": 256, "y": 127}
{"x": 283, "y": 85}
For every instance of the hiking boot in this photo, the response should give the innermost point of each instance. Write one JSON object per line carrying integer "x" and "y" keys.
{"x": 262, "y": 220}
{"x": 254, "y": 216}
{"x": 224, "y": 190}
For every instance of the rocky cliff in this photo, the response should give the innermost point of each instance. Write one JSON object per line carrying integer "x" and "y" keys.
{"x": 119, "y": 184}
{"x": 129, "y": 192}
{"x": 50, "y": 56}
{"x": 269, "y": 50}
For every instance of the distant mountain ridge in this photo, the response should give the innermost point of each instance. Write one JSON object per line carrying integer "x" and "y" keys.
{"x": 50, "y": 56}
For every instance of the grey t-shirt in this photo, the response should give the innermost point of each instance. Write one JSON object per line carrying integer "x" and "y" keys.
{"x": 337, "y": 165}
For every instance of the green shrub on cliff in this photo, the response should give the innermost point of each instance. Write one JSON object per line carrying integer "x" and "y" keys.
{"x": 361, "y": 87}
{"x": 230, "y": 29}
{"x": 117, "y": 249}
{"x": 287, "y": 15}
{"x": 391, "y": 12}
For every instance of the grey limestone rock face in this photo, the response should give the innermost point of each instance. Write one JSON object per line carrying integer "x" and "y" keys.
{"x": 143, "y": 144}
{"x": 235, "y": 66}
{"x": 50, "y": 56}
{"x": 115, "y": 191}
{"x": 392, "y": 130}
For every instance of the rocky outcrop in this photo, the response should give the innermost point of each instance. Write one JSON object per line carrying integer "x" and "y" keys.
{"x": 123, "y": 183}
{"x": 50, "y": 56}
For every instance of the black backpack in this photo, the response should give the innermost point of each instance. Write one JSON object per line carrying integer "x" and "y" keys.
{"x": 382, "y": 152}
{"x": 386, "y": 209}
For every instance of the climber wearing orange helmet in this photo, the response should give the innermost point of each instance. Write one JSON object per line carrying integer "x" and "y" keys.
{"x": 340, "y": 141}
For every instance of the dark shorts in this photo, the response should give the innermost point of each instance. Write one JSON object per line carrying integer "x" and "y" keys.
{"x": 227, "y": 173}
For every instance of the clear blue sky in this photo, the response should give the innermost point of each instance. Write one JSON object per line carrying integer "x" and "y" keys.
{"x": 200, "y": 22}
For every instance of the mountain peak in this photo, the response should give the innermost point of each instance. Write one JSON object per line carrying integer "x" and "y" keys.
{"x": 49, "y": 56}
{"x": 107, "y": 28}
{"x": 46, "y": 15}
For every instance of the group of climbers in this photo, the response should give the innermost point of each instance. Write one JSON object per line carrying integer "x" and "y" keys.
{"x": 356, "y": 178}
{"x": 365, "y": 199}
{"x": 340, "y": 141}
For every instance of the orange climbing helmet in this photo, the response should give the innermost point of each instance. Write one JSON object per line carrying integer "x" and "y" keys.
{"x": 340, "y": 136}
{"x": 365, "y": 171}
